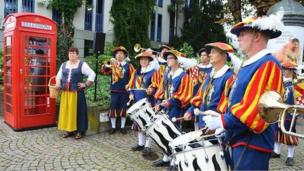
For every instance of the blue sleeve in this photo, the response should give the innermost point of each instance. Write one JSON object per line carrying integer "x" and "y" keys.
{"x": 230, "y": 122}
{"x": 191, "y": 110}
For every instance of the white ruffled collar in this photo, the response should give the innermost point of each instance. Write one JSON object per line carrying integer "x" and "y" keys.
{"x": 123, "y": 63}
{"x": 204, "y": 66}
{"x": 220, "y": 72}
{"x": 176, "y": 73}
{"x": 149, "y": 68}
{"x": 256, "y": 57}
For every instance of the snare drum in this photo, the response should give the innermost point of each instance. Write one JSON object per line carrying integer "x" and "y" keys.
{"x": 141, "y": 112}
{"x": 163, "y": 131}
{"x": 192, "y": 139}
{"x": 191, "y": 152}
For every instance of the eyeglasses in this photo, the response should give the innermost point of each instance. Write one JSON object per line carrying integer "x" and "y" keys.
{"x": 170, "y": 57}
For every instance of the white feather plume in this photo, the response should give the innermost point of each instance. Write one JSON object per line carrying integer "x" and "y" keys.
{"x": 272, "y": 22}
{"x": 186, "y": 63}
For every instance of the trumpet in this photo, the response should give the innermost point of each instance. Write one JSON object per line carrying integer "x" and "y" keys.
{"x": 110, "y": 62}
{"x": 272, "y": 109}
{"x": 137, "y": 48}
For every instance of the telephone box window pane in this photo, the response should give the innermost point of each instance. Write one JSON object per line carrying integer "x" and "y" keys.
{"x": 8, "y": 108}
{"x": 8, "y": 89}
{"x": 36, "y": 75}
{"x": 8, "y": 99}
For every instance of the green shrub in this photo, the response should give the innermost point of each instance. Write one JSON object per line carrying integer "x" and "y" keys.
{"x": 103, "y": 82}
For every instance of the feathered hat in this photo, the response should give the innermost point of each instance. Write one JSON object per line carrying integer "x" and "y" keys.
{"x": 271, "y": 24}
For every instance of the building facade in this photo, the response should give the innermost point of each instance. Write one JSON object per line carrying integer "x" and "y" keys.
{"x": 95, "y": 17}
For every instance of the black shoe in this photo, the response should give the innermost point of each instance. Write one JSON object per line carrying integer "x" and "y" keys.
{"x": 289, "y": 161}
{"x": 172, "y": 168}
{"x": 123, "y": 130}
{"x": 146, "y": 152}
{"x": 137, "y": 148}
{"x": 275, "y": 155}
{"x": 160, "y": 163}
{"x": 112, "y": 131}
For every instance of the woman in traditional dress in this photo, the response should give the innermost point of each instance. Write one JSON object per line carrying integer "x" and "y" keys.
{"x": 73, "y": 116}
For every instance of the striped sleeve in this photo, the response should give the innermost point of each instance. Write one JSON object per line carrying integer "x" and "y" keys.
{"x": 267, "y": 77}
{"x": 185, "y": 91}
{"x": 224, "y": 100}
{"x": 156, "y": 79}
{"x": 131, "y": 83}
{"x": 197, "y": 99}
{"x": 131, "y": 70}
{"x": 159, "y": 94}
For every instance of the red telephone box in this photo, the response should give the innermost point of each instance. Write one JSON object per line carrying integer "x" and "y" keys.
{"x": 29, "y": 62}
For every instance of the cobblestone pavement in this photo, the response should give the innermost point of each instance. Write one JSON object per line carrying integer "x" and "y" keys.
{"x": 44, "y": 149}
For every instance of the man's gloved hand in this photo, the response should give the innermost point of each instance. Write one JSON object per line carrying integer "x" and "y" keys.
{"x": 196, "y": 111}
{"x": 213, "y": 122}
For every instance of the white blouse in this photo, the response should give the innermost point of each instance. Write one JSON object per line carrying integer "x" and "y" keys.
{"x": 85, "y": 70}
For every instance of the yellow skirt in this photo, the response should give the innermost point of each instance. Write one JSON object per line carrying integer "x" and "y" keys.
{"x": 68, "y": 111}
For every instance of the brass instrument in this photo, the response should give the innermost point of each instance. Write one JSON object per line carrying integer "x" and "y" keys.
{"x": 272, "y": 109}
{"x": 298, "y": 79}
{"x": 137, "y": 48}
{"x": 110, "y": 62}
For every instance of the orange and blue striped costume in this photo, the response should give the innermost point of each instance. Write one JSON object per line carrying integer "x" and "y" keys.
{"x": 288, "y": 99}
{"x": 139, "y": 82}
{"x": 213, "y": 94}
{"x": 245, "y": 127}
{"x": 120, "y": 76}
{"x": 178, "y": 92}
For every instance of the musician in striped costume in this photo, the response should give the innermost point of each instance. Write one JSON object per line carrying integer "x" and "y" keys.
{"x": 251, "y": 138}
{"x": 213, "y": 94}
{"x": 201, "y": 70}
{"x": 176, "y": 92}
{"x": 121, "y": 72}
{"x": 289, "y": 69}
{"x": 143, "y": 85}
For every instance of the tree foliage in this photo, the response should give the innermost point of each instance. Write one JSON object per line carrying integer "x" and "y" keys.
{"x": 200, "y": 26}
{"x": 238, "y": 9}
{"x": 65, "y": 30}
{"x": 131, "y": 20}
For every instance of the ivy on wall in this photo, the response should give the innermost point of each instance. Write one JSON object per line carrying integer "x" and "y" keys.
{"x": 67, "y": 10}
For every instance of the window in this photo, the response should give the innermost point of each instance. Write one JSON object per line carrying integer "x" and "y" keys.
{"x": 28, "y": 5}
{"x": 171, "y": 27}
{"x": 10, "y": 6}
{"x": 187, "y": 3}
{"x": 88, "y": 48}
{"x": 56, "y": 16}
{"x": 88, "y": 15}
{"x": 160, "y": 3}
{"x": 99, "y": 16}
{"x": 152, "y": 30}
{"x": 159, "y": 27}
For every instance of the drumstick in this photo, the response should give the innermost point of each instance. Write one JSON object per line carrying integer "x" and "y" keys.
{"x": 174, "y": 119}
{"x": 129, "y": 102}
